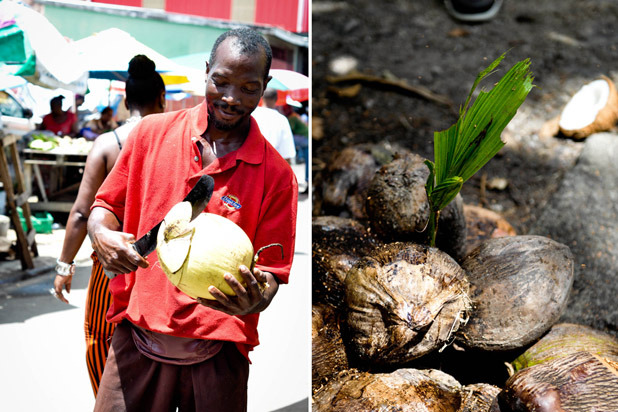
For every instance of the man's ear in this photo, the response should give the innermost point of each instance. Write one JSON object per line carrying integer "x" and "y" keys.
{"x": 207, "y": 68}
{"x": 268, "y": 78}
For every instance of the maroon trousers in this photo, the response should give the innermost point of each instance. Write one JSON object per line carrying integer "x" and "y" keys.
{"x": 134, "y": 382}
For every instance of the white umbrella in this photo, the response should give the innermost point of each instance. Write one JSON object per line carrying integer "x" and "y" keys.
{"x": 290, "y": 85}
{"x": 106, "y": 55}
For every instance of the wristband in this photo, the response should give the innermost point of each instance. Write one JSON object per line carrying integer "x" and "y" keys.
{"x": 65, "y": 269}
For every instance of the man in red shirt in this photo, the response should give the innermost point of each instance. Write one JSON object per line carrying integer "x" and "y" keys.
{"x": 168, "y": 349}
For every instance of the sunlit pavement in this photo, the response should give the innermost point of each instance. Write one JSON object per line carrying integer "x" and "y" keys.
{"x": 42, "y": 348}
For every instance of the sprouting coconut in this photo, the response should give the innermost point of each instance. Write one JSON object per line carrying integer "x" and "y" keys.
{"x": 594, "y": 108}
{"x": 403, "y": 301}
{"x": 519, "y": 286}
{"x": 196, "y": 254}
{"x": 398, "y": 208}
{"x": 404, "y": 390}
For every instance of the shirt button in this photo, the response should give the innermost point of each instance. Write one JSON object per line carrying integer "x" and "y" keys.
{"x": 196, "y": 158}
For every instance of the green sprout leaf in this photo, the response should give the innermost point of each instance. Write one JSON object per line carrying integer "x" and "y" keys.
{"x": 464, "y": 148}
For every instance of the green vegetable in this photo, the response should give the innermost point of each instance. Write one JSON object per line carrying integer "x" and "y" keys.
{"x": 461, "y": 150}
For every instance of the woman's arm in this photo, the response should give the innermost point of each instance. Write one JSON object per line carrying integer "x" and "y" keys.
{"x": 94, "y": 173}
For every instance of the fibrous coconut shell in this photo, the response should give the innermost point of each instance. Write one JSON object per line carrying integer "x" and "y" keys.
{"x": 328, "y": 356}
{"x": 483, "y": 224}
{"x": 403, "y": 301}
{"x": 346, "y": 177}
{"x": 519, "y": 287}
{"x": 404, "y": 390}
{"x": 583, "y": 103}
{"x": 478, "y": 397}
{"x": 578, "y": 382}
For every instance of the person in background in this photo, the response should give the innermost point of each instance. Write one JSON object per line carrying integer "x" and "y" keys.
{"x": 82, "y": 114}
{"x": 169, "y": 350}
{"x": 275, "y": 126}
{"x": 58, "y": 121}
{"x": 145, "y": 95}
{"x": 105, "y": 123}
{"x": 300, "y": 130}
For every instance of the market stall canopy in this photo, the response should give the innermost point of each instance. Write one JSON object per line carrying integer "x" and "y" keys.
{"x": 289, "y": 85}
{"x": 8, "y": 81}
{"x": 33, "y": 48}
{"x": 106, "y": 55}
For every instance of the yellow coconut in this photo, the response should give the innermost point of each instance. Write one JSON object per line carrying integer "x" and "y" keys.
{"x": 593, "y": 109}
{"x": 196, "y": 254}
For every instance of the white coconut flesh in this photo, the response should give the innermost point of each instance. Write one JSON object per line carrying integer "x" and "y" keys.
{"x": 585, "y": 105}
{"x": 196, "y": 254}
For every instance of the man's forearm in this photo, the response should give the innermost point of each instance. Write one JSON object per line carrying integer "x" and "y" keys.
{"x": 101, "y": 219}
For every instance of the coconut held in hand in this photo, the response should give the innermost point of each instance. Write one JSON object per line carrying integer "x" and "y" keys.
{"x": 196, "y": 254}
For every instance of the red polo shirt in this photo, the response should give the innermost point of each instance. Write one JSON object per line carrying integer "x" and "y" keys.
{"x": 158, "y": 166}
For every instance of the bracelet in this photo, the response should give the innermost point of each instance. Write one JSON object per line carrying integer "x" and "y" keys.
{"x": 65, "y": 269}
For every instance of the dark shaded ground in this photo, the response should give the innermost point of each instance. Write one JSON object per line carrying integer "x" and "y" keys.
{"x": 569, "y": 42}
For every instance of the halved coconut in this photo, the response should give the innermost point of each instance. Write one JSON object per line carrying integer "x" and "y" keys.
{"x": 594, "y": 108}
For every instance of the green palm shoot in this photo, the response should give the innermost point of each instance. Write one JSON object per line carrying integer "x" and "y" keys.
{"x": 461, "y": 150}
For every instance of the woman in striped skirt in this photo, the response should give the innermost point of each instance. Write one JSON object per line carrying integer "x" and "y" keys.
{"x": 145, "y": 95}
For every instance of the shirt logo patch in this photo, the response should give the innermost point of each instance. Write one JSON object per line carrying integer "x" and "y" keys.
{"x": 231, "y": 202}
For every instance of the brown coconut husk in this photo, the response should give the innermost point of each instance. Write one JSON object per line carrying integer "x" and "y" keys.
{"x": 478, "y": 397}
{"x": 483, "y": 224}
{"x": 564, "y": 339}
{"x": 606, "y": 117}
{"x": 519, "y": 287}
{"x": 404, "y": 390}
{"x": 403, "y": 301}
{"x": 578, "y": 382}
{"x": 328, "y": 356}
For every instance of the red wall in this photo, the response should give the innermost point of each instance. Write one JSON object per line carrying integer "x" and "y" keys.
{"x": 220, "y": 9}
{"x": 280, "y": 13}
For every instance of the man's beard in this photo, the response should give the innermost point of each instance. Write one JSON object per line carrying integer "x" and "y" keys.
{"x": 222, "y": 125}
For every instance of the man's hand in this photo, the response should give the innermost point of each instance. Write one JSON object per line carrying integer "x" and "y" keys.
{"x": 114, "y": 248}
{"x": 247, "y": 300}
{"x": 115, "y": 251}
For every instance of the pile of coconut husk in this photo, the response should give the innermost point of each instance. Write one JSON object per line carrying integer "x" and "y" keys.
{"x": 399, "y": 325}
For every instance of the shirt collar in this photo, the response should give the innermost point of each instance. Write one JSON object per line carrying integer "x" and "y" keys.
{"x": 252, "y": 150}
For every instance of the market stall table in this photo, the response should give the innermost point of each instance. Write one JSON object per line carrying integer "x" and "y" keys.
{"x": 61, "y": 192}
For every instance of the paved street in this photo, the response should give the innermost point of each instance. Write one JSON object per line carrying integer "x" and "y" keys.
{"x": 42, "y": 347}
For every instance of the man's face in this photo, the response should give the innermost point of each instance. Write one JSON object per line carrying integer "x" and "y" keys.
{"x": 234, "y": 86}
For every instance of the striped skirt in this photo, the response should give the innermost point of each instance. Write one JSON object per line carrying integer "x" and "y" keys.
{"x": 98, "y": 330}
